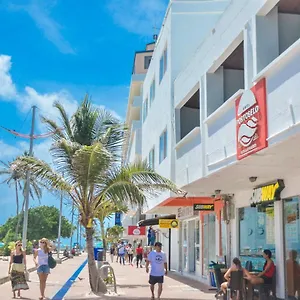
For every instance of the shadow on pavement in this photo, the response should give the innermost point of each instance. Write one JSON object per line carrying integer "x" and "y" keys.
{"x": 132, "y": 286}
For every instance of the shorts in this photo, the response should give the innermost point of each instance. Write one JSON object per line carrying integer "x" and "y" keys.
{"x": 267, "y": 280}
{"x": 44, "y": 269}
{"x": 156, "y": 279}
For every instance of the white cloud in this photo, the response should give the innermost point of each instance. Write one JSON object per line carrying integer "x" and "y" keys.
{"x": 138, "y": 16}
{"x": 40, "y": 13}
{"x": 7, "y": 88}
{"x": 8, "y": 151}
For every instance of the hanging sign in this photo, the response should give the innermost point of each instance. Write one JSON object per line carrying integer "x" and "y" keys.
{"x": 204, "y": 207}
{"x": 269, "y": 192}
{"x": 168, "y": 223}
{"x": 135, "y": 230}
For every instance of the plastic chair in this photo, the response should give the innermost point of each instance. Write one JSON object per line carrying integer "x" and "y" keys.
{"x": 236, "y": 284}
{"x": 268, "y": 291}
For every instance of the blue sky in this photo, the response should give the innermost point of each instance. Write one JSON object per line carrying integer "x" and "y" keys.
{"x": 59, "y": 50}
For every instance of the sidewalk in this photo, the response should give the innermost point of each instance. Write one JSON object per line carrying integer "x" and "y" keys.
{"x": 57, "y": 279}
{"x": 133, "y": 284}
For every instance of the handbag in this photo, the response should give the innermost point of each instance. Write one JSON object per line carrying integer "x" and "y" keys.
{"x": 51, "y": 261}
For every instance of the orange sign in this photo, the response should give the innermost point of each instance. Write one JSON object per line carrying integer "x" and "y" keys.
{"x": 251, "y": 120}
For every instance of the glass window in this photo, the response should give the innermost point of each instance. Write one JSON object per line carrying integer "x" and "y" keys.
{"x": 163, "y": 146}
{"x": 147, "y": 61}
{"x": 163, "y": 63}
{"x": 197, "y": 240}
{"x": 145, "y": 109}
{"x": 292, "y": 246}
{"x": 152, "y": 91}
{"x": 185, "y": 246}
{"x": 151, "y": 159}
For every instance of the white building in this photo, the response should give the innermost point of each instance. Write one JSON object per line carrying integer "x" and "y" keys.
{"x": 225, "y": 121}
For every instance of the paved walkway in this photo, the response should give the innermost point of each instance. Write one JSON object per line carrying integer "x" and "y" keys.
{"x": 57, "y": 279}
{"x": 133, "y": 284}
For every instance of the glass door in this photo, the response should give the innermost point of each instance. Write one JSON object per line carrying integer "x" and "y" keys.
{"x": 197, "y": 246}
{"x": 185, "y": 246}
{"x": 292, "y": 247}
{"x": 191, "y": 249}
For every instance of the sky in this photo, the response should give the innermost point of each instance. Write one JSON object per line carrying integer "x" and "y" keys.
{"x": 59, "y": 50}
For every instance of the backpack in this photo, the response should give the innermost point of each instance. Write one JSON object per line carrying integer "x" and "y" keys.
{"x": 51, "y": 261}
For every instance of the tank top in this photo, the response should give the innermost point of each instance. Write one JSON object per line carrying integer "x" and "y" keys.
{"x": 42, "y": 257}
{"x": 271, "y": 271}
{"x": 18, "y": 259}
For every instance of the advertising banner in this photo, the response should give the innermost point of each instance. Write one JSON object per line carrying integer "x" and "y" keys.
{"x": 135, "y": 230}
{"x": 168, "y": 223}
{"x": 251, "y": 120}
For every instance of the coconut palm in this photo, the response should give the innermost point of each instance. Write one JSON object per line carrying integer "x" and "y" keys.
{"x": 106, "y": 211}
{"x": 86, "y": 164}
{"x": 17, "y": 179}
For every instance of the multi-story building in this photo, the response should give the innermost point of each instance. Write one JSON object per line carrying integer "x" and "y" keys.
{"x": 224, "y": 126}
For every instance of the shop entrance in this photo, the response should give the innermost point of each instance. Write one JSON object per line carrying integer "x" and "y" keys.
{"x": 191, "y": 243}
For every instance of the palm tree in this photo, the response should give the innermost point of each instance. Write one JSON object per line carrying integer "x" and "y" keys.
{"x": 87, "y": 151}
{"x": 17, "y": 179}
{"x": 106, "y": 210}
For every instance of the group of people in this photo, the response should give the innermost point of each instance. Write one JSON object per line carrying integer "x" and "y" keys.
{"x": 264, "y": 277}
{"x": 126, "y": 253}
{"x": 17, "y": 269}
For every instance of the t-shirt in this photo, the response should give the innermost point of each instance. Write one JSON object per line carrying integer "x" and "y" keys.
{"x": 157, "y": 261}
{"x": 129, "y": 250}
{"x": 121, "y": 250}
{"x": 139, "y": 251}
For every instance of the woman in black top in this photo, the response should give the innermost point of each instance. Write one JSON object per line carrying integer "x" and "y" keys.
{"x": 16, "y": 269}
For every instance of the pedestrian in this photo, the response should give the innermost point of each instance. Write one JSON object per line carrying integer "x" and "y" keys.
{"x": 130, "y": 253}
{"x": 112, "y": 253}
{"x": 159, "y": 268}
{"x": 139, "y": 255}
{"x": 150, "y": 236}
{"x": 41, "y": 256}
{"x": 122, "y": 253}
{"x": 17, "y": 269}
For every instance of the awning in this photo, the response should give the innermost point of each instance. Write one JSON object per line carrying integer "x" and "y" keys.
{"x": 185, "y": 201}
{"x": 155, "y": 221}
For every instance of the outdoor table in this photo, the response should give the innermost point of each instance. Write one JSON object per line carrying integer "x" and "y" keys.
{"x": 250, "y": 287}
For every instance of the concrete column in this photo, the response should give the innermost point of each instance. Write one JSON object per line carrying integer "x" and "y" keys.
{"x": 266, "y": 43}
{"x": 279, "y": 246}
{"x": 249, "y": 53}
{"x": 203, "y": 126}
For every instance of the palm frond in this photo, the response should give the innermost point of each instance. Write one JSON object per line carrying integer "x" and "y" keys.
{"x": 52, "y": 126}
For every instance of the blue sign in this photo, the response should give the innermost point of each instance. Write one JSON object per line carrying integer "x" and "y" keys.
{"x": 118, "y": 219}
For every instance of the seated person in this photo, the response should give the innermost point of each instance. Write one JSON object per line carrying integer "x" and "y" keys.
{"x": 266, "y": 276}
{"x": 236, "y": 266}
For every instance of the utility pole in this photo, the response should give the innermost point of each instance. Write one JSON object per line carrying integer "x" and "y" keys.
{"x": 27, "y": 185}
{"x": 59, "y": 225}
{"x": 72, "y": 222}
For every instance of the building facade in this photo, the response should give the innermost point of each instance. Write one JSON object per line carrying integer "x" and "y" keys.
{"x": 223, "y": 124}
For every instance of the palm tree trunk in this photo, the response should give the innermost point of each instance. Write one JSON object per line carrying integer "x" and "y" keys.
{"x": 103, "y": 238}
{"x": 18, "y": 210}
{"x": 97, "y": 284}
{"x": 19, "y": 220}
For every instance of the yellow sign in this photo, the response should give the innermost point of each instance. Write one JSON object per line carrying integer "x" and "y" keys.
{"x": 270, "y": 192}
{"x": 168, "y": 223}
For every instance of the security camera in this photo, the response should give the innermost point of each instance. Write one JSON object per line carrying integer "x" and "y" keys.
{"x": 252, "y": 178}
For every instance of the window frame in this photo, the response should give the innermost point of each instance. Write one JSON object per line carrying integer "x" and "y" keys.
{"x": 151, "y": 158}
{"x": 149, "y": 57}
{"x": 152, "y": 90}
{"x": 163, "y": 64}
{"x": 163, "y": 146}
{"x": 145, "y": 111}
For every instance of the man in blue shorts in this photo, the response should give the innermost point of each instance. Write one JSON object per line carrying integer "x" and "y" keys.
{"x": 159, "y": 268}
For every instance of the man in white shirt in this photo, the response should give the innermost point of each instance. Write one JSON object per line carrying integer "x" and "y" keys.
{"x": 121, "y": 251}
{"x": 159, "y": 268}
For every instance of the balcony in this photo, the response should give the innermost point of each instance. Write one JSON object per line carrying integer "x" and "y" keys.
{"x": 189, "y": 158}
{"x": 221, "y": 135}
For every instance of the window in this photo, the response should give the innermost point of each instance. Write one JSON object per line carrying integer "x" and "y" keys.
{"x": 163, "y": 65}
{"x": 152, "y": 159}
{"x": 152, "y": 91}
{"x": 163, "y": 146}
{"x": 147, "y": 61}
{"x": 256, "y": 233}
{"x": 145, "y": 109}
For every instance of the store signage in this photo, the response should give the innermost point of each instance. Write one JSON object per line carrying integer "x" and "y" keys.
{"x": 270, "y": 192}
{"x": 251, "y": 120}
{"x": 186, "y": 212}
{"x": 135, "y": 230}
{"x": 168, "y": 223}
{"x": 118, "y": 219}
{"x": 204, "y": 207}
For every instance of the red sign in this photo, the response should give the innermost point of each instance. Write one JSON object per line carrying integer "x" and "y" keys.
{"x": 251, "y": 120}
{"x": 135, "y": 230}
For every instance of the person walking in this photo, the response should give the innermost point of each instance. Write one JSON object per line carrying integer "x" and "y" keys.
{"x": 130, "y": 253}
{"x": 122, "y": 253}
{"x": 159, "y": 268}
{"x": 41, "y": 256}
{"x": 139, "y": 255}
{"x": 112, "y": 253}
{"x": 17, "y": 269}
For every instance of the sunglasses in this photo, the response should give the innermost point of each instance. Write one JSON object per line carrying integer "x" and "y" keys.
{"x": 43, "y": 243}
{"x": 20, "y": 245}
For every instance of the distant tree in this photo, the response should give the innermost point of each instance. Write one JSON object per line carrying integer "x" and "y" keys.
{"x": 114, "y": 233}
{"x": 42, "y": 222}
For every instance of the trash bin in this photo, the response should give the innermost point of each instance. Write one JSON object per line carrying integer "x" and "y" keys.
{"x": 218, "y": 276}
{"x": 100, "y": 255}
{"x": 96, "y": 250}
{"x": 215, "y": 280}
